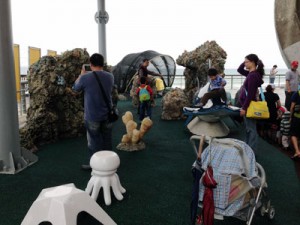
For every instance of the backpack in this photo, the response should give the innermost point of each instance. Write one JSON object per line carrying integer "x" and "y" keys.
{"x": 144, "y": 94}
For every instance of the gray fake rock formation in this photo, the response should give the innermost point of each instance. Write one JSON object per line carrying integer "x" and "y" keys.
{"x": 196, "y": 65}
{"x": 173, "y": 103}
{"x": 55, "y": 112}
{"x": 287, "y": 24}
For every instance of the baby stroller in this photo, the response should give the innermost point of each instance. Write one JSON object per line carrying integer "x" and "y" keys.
{"x": 241, "y": 187}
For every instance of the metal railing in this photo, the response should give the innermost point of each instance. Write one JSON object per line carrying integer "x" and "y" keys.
{"x": 23, "y": 104}
{"x": 234, "y": 81}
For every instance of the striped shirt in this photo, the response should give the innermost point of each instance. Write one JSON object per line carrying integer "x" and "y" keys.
{"x": 285, "y": 124}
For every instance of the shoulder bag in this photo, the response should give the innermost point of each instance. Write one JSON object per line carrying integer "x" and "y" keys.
{"x": 113, "y": 113}
{"x": 258, "y": 109}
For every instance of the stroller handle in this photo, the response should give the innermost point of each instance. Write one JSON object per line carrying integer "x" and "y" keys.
{"x": 228, "y": 142}
{"x": 193, "y": 141}
{"x": 262, "y": 174}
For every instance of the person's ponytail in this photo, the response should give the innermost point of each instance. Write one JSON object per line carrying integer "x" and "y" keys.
{"x": 260, "y": 68}
{"x": 258, "y": 63}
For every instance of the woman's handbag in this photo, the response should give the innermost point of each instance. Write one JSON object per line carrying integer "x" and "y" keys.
{"x": 258, "y": 109}
{"x": 113, "y": 112}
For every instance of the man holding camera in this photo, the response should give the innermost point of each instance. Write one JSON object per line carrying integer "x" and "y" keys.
{"x": 99, "y": 130}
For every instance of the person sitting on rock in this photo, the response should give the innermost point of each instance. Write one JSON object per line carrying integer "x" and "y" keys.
{"x": 216, "y": 88}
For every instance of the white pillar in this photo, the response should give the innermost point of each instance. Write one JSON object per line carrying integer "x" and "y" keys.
{"x": 10, "y": 149}
{"x": 101, "y": 18}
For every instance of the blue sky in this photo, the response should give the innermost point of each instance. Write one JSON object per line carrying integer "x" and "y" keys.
{"x": 240, "y": 27}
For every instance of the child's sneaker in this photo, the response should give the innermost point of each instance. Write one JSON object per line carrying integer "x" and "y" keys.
{"x": 199, "y": 105}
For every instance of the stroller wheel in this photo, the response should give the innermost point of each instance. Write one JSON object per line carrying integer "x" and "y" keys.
{"x": 271, "y": 212}
{"x": 262, "y": 210}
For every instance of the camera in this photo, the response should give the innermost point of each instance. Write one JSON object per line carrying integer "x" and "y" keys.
{"x": 87, "y": 67}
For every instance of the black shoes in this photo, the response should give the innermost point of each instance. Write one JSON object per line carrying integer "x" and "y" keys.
{"x": 296, "y": 157}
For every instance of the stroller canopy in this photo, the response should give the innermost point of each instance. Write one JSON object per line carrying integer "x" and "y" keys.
{"x": 128, "y": 66}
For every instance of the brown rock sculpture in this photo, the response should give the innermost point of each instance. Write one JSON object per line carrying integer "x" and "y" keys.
{"x": 54, "y": 112}
{"x": 173, "y": 103}
{"x": 196, "y": 65}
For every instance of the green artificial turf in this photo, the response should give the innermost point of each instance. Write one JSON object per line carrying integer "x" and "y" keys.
{"x": 158, "y": 179}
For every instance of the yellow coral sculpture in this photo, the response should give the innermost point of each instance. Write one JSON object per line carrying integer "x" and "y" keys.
{"x": 132, "y": 140}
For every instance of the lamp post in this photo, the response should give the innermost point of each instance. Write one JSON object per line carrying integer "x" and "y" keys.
{"x": 12, "y": 157}
{"x": 101, "y": 18}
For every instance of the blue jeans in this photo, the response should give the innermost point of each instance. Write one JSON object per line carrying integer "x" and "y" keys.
{"x": 145, "y": 107}
{"x": 272, "y": 79}
{"x": 99, "y": 136}
{"x": 251, "y": 133}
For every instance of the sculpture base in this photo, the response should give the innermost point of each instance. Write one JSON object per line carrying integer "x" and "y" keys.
{"x": 130, "y": 147}
{"x": 17, "y": 164}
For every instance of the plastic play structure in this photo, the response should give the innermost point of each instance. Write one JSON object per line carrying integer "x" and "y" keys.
{"x": 128, "y": 66}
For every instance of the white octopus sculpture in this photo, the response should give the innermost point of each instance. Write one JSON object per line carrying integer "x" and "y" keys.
{"x": 104, "y": 167}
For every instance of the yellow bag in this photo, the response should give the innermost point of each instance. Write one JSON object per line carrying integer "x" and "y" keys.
{"x": 258, "y": 110}
{"x": 159, "y": 84}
